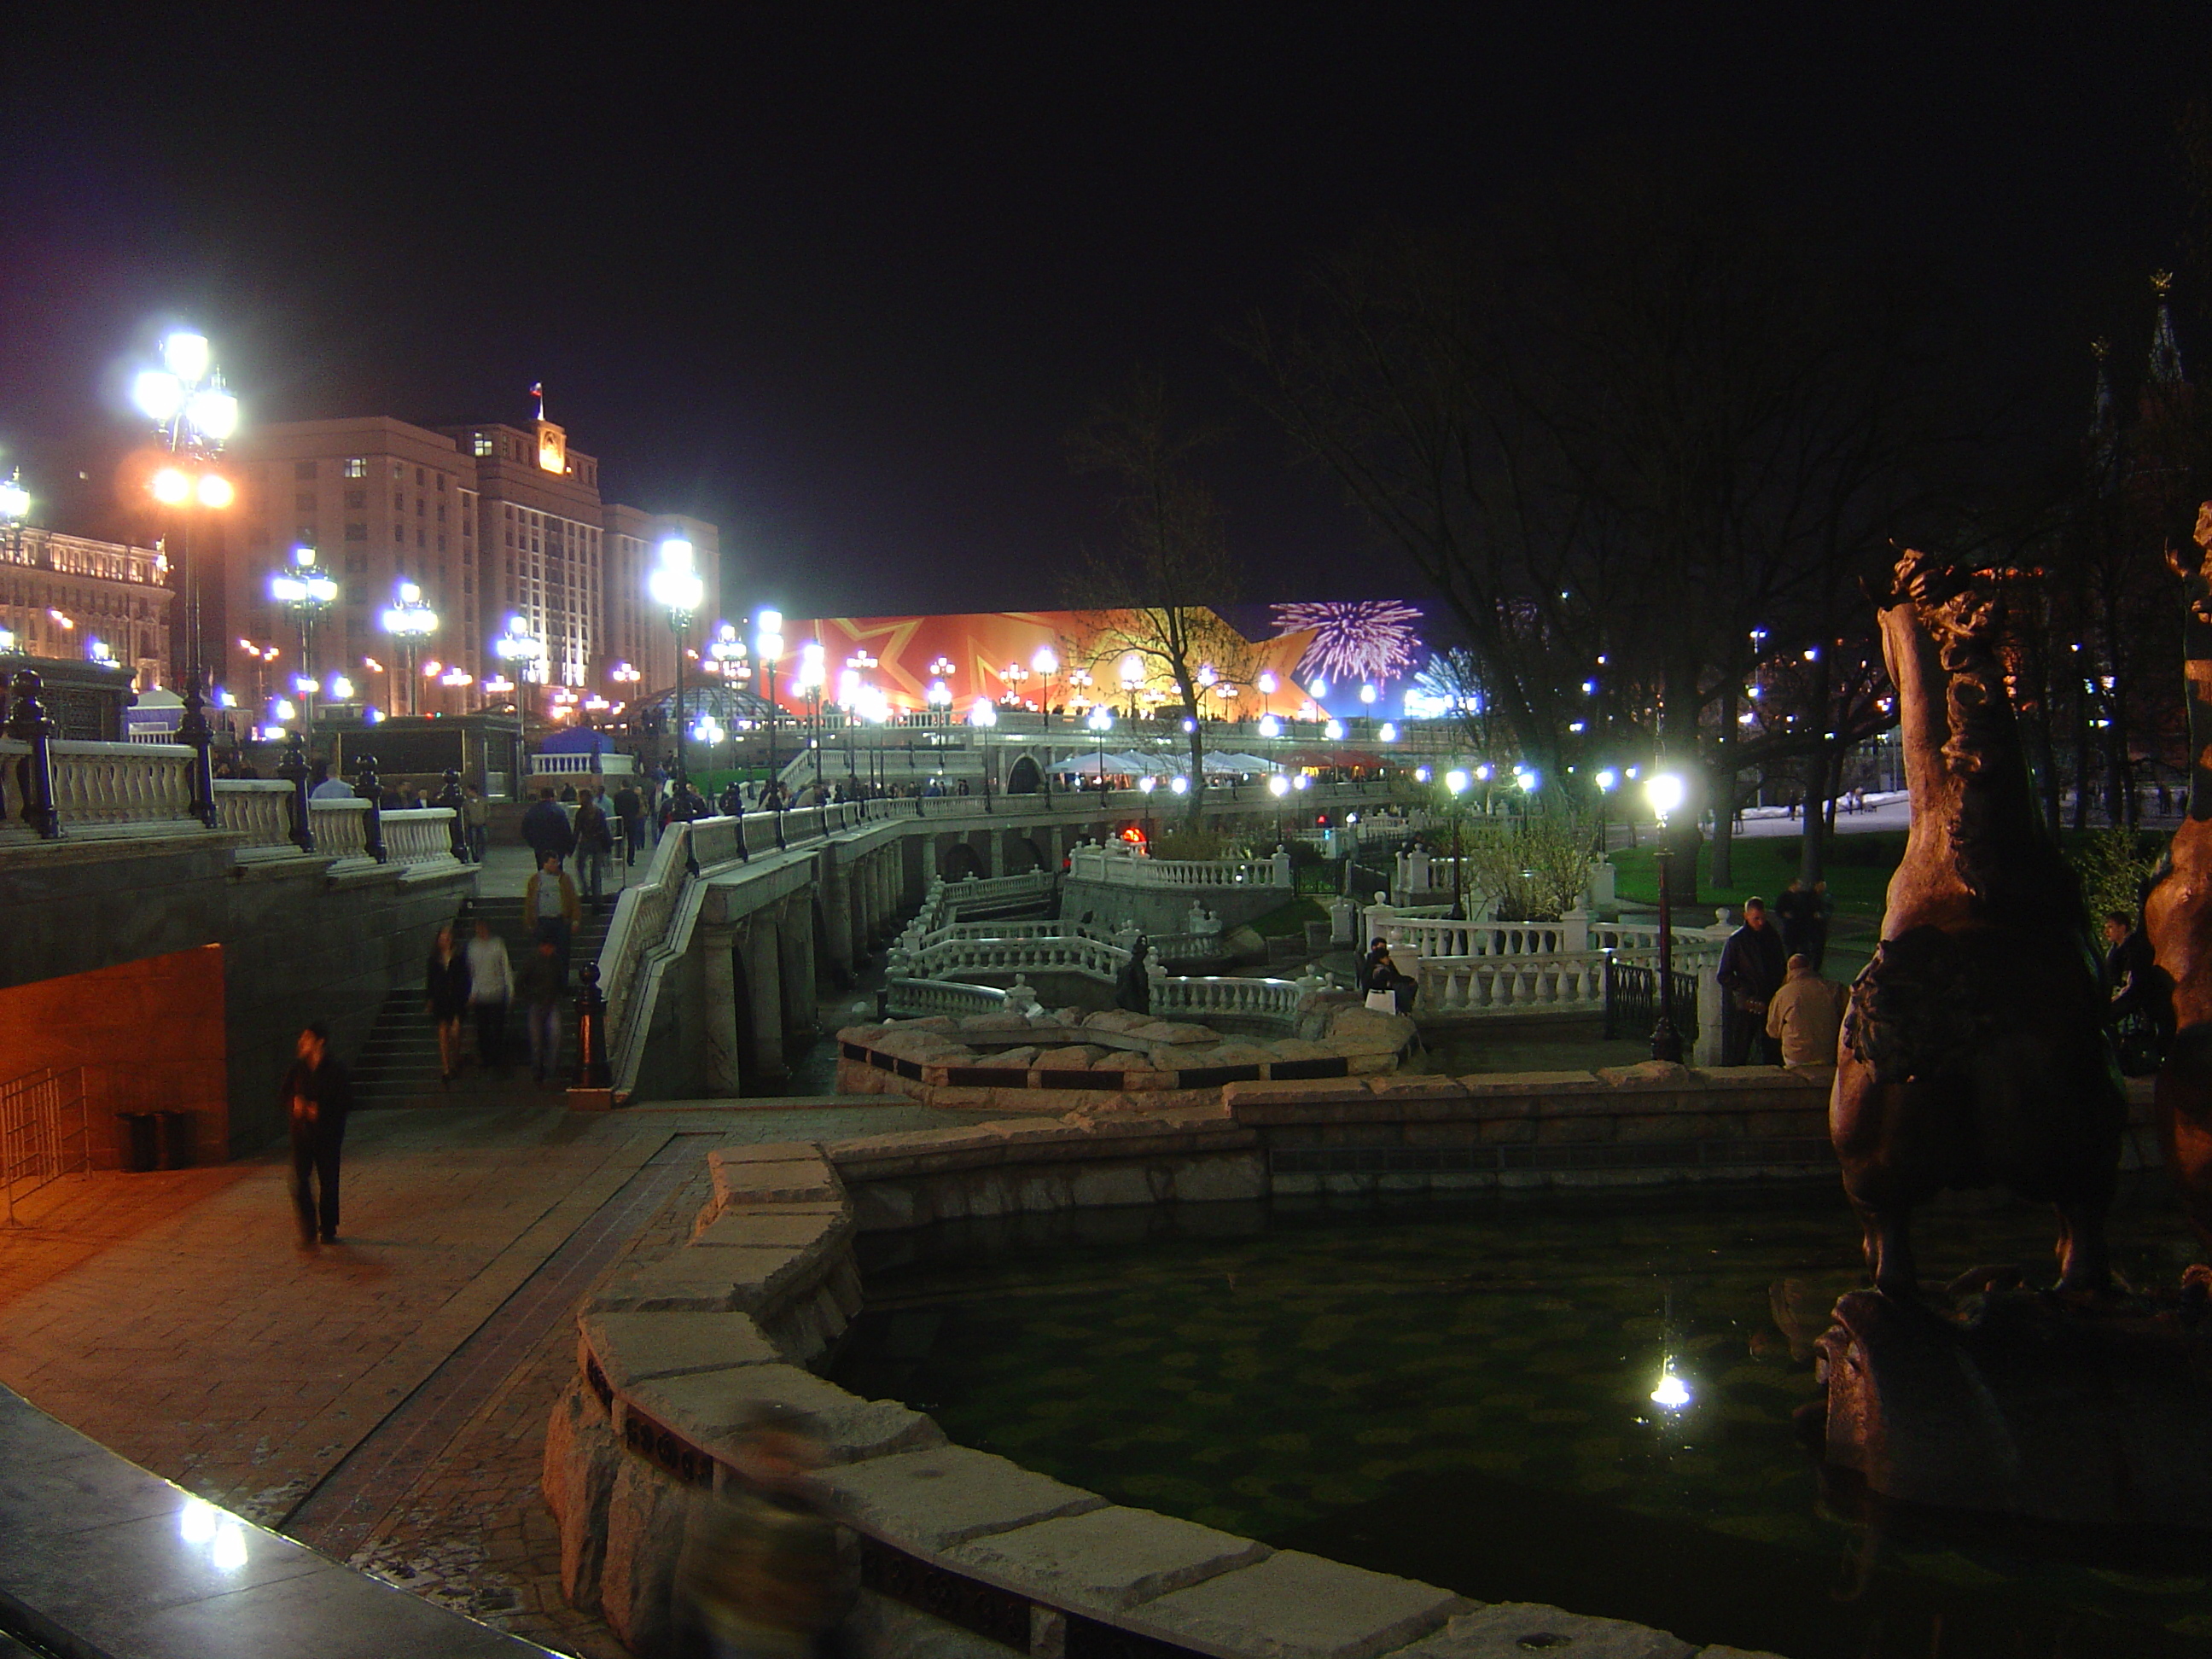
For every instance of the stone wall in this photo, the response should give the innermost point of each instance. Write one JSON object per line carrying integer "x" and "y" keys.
{"x": 1165, "y": 910}
{"x": 671, "y": 1354}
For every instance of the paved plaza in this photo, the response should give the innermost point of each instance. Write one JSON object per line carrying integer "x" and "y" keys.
{"x": 384, "y": 1399}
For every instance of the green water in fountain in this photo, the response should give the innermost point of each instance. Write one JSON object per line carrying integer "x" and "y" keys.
{"x": 1463, "y": 1393}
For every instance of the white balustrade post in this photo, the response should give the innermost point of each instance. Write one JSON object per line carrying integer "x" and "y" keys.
{"x": 1281, "y": 866}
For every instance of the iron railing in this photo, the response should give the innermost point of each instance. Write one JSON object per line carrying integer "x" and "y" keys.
{"x": 46, "y": 1131}
{"x": 1632, "y": 1002}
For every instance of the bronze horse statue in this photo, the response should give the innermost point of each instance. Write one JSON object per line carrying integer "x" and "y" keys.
{"x": 1973, "y": 1050}
{"x": 2177, "y": 912}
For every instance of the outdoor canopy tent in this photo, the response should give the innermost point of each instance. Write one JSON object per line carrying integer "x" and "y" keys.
{"x": 1236, "y": 762}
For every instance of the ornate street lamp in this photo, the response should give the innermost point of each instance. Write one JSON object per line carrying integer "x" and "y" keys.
{"x": 812, "y": 673}
{"x": 1133, "y": 677}
{"x": 308, "y": 592}
{"x": 14, "y": 507}
{"x": 1046, "y": 661}
{"x": 1664, "y": 793}
{"x": 941, "y": 670}
{"x": 1456, "y": 783}
{"x": 983, "y": 717}
{"x": 187, "y": 403}
{"x": 675, "y": 588}
{"x": 1100, "y": 720}
{"x": 409, "y": 622}
{"x": 518, "y": 646}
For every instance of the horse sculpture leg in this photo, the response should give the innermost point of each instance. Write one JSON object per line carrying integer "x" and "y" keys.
{"x": 2085, "y": 1260}
{"x": 1889, "y": 1257}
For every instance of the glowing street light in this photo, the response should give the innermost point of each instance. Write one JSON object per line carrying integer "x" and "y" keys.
{"x": 308, "y": 592}
{"x": 1131, "y": 677}
{"x": 1100, "y": 719}
{"x": 409, "y": 622}
{"x": 1664, "y": 792}
{"x": 676, "y": 587}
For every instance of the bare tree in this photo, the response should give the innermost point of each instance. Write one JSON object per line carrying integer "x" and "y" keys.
{"x": 1152, "y": 594}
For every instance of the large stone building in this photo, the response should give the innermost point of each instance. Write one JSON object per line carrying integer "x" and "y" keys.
{"x": 68, "y": 597}
{"x": 492, "y": 522}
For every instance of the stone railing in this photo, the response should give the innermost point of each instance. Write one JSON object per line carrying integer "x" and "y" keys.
{"x": 1550, "y": 980}
{"x": 1111, "y": 864}
{"x": 419, "y": 837}
{"x": 259, "y": 809}
{"x": 104, "y": 785}
{"x": 1064, "y": 953}
{"x": 607, "y": 765}
{"x": 341, "y": 828}
{"x": 936, "y": 996}
{"x": 1207, "y": 997}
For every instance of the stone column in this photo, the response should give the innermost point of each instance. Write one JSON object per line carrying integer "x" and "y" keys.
{"x": 836, "y": 916}
{"x": 794, "y": 934}
{"x": 763, "y": 986}
{"x": 718, "y": 1008}
{"x": 998, "y": 851}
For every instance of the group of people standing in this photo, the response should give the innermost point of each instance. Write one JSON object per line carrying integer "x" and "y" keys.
{"x": 477, "y": 982}
{"x": 1777, "y": 1009}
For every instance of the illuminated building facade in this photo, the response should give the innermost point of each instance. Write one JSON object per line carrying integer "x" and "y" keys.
{"x": 67, "y": 597}
{"x": 490, "y": 522}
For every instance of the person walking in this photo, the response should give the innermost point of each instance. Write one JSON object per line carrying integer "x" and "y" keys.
{"x": 549, "y": 904}
{"x": 475, "y": 824}
{"x": 491, "y": 988}
{"x": 1754, "y": 965}
{"x": 316, "y": 1096}
{"x": 546, "y": 830}
{"x": 543, "y": 983}
{"x": 595, "y": 845}
{"x": 631, "y": 810}
{"x": 1802, "y": 913}
{"x": 1805, "y": 1015}
{"x": 445, "y": 987}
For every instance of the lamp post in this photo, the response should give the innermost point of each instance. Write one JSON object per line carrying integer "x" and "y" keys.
{"x": 1267, "y": 685}
{"x": 1100, "y": 719}
{"x": 1145, "y": 785}
{"x": 409, "y": 622}
{"x": 982, "y": 718}
{"x": 304, "y": 590}
{"x": 189, "y": 406}
{"x": 941, "y": 670}
{"x": 1046, "y": 661}
{"x": 14, "y": 507}
{"x": 1606, "y": 781}
{"x": 850, "y": 690}
{"x": 768, "y": 645}
{"x": 811, "y": 672}
{"x": 518, "y": 646}
{"x": 1664, "y": 793}
{"x": 1133, "y": 677}
{"x": 1278, "y": 787}
{"x": 1456, "y": 783}
{"x": 675, "y": 588}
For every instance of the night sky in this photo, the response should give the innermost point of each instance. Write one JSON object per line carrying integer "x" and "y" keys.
{"x": 842, "y": 279}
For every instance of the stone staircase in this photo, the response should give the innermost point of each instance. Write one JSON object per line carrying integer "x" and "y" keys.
{"x": 397, "y": 1066}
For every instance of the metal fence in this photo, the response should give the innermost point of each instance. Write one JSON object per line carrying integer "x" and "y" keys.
{"x": 46, "y": 1131}
{"x": 1632, "y": 1002}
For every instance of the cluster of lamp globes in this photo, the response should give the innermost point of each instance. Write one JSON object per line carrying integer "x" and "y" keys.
{"x": 1663, "y": 791}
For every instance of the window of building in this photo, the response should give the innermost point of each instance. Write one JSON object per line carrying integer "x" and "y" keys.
{"x": 418, "y": 536}
{"x": 399, "y": 533}
{"x": 481, "y": 443}
{"x": 357, "y": 500}
{"x": 356, "y": 533}
{"x": 303, "y": 468}
{"x": 398, "y": 501}
{"x": 441, "y": 512}
{"x": 304, "y": 501}
{"x": 398, "y": 467}
{"x": 356, "y": 466}
{"x": 442, "y": 541}
{"x": 419, "y": 480}
{"x": 421, "y": 505}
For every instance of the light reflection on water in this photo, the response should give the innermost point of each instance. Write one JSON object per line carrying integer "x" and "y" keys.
{"x": 1578, "y": 1402}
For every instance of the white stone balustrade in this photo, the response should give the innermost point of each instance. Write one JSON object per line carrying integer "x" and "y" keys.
{"x": 259, "y": 809}
{"x": 341, "y": 828}
{"x": 419, "y": 837}
{"x": 108, "y": 784}
{"x": 1128, "y": 869}
{"x": 1206, "y": 996}
{"x": 911, "y": 998}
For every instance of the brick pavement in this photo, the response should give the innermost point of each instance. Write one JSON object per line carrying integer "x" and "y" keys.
{"x": 171, "y": 1317}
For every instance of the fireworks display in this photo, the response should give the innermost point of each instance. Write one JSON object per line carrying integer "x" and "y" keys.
{"x": 1354, "y": 641}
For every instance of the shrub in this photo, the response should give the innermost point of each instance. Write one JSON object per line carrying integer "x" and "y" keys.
{"x": 2113, "y": 865}
{"x": 1533, "y": 869}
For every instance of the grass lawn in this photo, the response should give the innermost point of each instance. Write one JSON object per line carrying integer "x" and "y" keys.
{"x": 1859, "y": 868}
{"x": 1288, "y": 921}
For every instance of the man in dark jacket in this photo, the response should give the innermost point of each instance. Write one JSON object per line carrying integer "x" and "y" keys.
{"x": 2133, "y": 981}
{"x": 316, "y": 1097}
{"x": 1802, "y": 913}
{"x": 546, "y": 830}
{"x": 631, "y": 810}
{"x": 1754, "y": 965}
{"x": 595, "y": 844}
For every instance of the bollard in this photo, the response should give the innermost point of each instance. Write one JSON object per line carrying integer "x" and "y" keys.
{"x": 35, "y": 772}
{"x": 293, "y": 768}
{"x": 366, "y": 785}
{"x": 449, "y": 795}
{"x": 593, "y": 1079}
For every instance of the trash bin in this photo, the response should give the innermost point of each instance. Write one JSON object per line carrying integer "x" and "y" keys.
{"x": 176, "y": 1138}
{"x": 137, "y": 1145}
